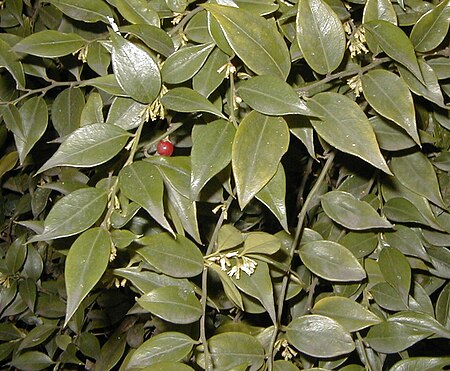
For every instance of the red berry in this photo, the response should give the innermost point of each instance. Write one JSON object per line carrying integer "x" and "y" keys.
{"x": 164, "y": 148}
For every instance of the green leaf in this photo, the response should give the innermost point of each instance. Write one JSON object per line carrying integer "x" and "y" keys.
{"x": 229, "y": 288}
{"x": 350, "y": 314}
{"x": 172, "y": 304}
{"x": 185, "y": 63}
{"x": 137, "y": 12}
{"x": 86, "y": 262}
{"x": 32, "y": 361}
{"x": 352, "y": 213}
{"x": 84, "y": 10}
{"x": 258, "y": 146}
{"x": 136, "y": 71}
{"x": 395, "y": 43}
{"x": 155, "y": 38}
{"x": 273, "y": 195}
{"x": 211, "y": 153}
{"x": 420, "y": 321}
{"x": 73, "y": 214}
{"x": 260, "y": 243}
{"x": 271, "y": 95}
{"x": 393, "y": 337}
{"x": 431, "y": 28}
{"x": 319, "y": 336}
{"x": 320, "y": 35}
{"x": 165, "y": 347}
{"x": 98, "y": 58}
{"x": 37, "y": 336}
{"x": 440, "y": 66}
{"x": 407, "y": 241}
{"x": 111, "y": 351}
{"x": 228, "y": 237}
{"x": 93, "y": 110}
{"x": 142, "y": 183}
{"x": 331, "y": 261}
{"x": 168, "y": 366}
{"x": 360, "y": 244}
{"x": 421, "y": 363}
{"x": 188, "y": 100}
{"x": 218, "y": 36}
{"x": 345, "y": 126}
{"x": 8, "y": 162}
{"x": 126, "y": 113}
{"x": 50, "y": 43}
{"x": 197, "y": 28}
{"x": 443, "y": 306}
{"x": 175, "y": 257}
{"x": 259, "y": 286}
{"x": 28, "y": 292}
{"x": 66, "y": 111}
{"x": 107, "y": 83}
{"x": 254, "y": 39}
{"x": 416, "y": 172}
{"x": 232, "y": 349}
{"x": 389, "y": 135}
{"x": 396, "y": 271}
{"x": 10, "y": 61}
{"x": 88, "y": 146}
{"x": 210, "y": 75}
{"x": 389, "y": 95}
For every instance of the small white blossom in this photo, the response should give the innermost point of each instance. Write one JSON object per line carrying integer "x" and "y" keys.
{"x": 355, "y": 84}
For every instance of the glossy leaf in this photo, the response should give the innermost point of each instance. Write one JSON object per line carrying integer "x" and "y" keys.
{"x": 258, "y": 146}
{"x": 126, "y": 113}
{"x": 416, "y": 172}
{"x": 172, "y": 304}
{"x": 142, "y": 182}
{"x": 37, "y": 336}
{"x": 374, "y": 10}
{"x": 331, "y": 261}
{"x": 84, "y": 10}
{"x": 137, "y": 12}
{"x": 176, "y": 257}
{"x": 211, "y": 153}
{"x": 350, "y": 314}
{"x": 254, "y": 39}
{"x": 431, "y": 28}
{"x": 320, "y": 35}
{"x": 319, "y": 336}
{"x": 93, "y": 110}
{"x": 107, "y": 83}
{"x": 420, "y": 321}
{"x": 390, "y": 136}
{"x": 352, "y": 213}
{"x": 32, "y": 361}
{"x": 155, "y": 38}
{"x": 211, "y": 74}
{"x": 88, "y": 146}
{"x": 185, "y": 63}
{"x": 197, "y": 28}
{"x": 345, "y": 126}
{"x": 421, "y": 363}
{"x": 394, "y": 42}
{"x": 10, "y": 60}
{"x": 389, "y": 95}
{"x": 136, "y": 71}
{"x": 188, "y": 100}
{"x": 273, "y": 195}
{"x": 66, "y": 111}
{"x": 360, "y": 244}
{"x": 165, "y": 347}
{"x": 407, "y": 241}
{"x": 396, "y": 270}
{"x": 50, "y": 43}
{"x": 73, "y": 214}
{"x": 443, "y": 306}
{"x": 271, "y": 96}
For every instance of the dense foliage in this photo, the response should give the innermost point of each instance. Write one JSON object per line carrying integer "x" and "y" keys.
{"x": 301, "y": 221}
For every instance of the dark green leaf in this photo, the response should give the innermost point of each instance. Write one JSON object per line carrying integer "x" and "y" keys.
{"x": 396, "y": 270}
{"x": 421, "y": 363}
{"x": 107, "y": 83}
{"x": 258, "y": 146}
{"x": 32, "y": 361}
{"x": 407, "y": 241}
{"x": 389, "y": 135}
{"x": 378, "y": 9}
{"x": 254, "y": 39}
{"x": 84, "y": 10}
{"x": 93, "y": 110}
{"x": 211, "y": 75}
{"x": 66, "y": 111}
{"x": 421, "y": 322}
{"x": 319, "y": 336}
{"x": 197, "y": 28}
{"x": 37, "y": 336}
{"x": 126, "y": 113}
{"x": 320, "y": 35}
{"x": 168, "y": 366}
{"x": 360, "y": 244}
{"x": 73, "y": 214}
{"x": 10, "y": 61}
{"x": 88, "y": 146}
{"x": 155, "y": 38}
{"x": 85, "y": 264}
{"x": 138, "y": 12}
{"x": 261, "y": 243}
{"x": 443, "y": 306}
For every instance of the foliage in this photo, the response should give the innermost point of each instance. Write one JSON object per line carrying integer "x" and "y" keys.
{"x": 302, "y": 221}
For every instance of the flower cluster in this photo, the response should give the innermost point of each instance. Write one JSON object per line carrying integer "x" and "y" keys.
{"x": 233, "y": 263}
{"x": 356, "y": 40}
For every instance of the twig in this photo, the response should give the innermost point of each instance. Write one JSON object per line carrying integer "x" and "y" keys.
{"x": 185, "y": 20}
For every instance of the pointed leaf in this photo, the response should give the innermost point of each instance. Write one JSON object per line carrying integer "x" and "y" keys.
{"x": 50, "y": 44}
{"x": 172, "y": 304}
{"x": 273, "y": 195}
{"x": 154, "y": 37}
{"x": 352, "y": 213}
{"x": 86, "y": 262}
{"x": 73, "y": 214}
{"x": 254, "y": 39}
{"x": 420, "y": 321}
{"x": 416, "y": 172}
{"x": 387, "y": 297}
{"x": 210, "y": 76}
{"x": 136, "y": 71}
{"x": 84, "y": 10}
{"x": 32, "y": 361}
{"x": 396, "y": 271}
{"x": 93, "y": 110}
{"x": 211, "y": 153}
{"x": 389, "y": 95}
{"x": 185, "y": 63}
{"x": 137, "y": 12}
{"x": 66, "y": 111}
{"x": 188, "y": 100}
{"x": 350, "y": 314}
{"x": 142, "y": 182}
{"x": 10, "y": 61}
{"x": 443, "y": 306}
{"x": 126, "y": 113}
{"x": 345, "y": 126}
{"x": 407, "y": 241}
{"x": 390, "y": 136}
{"x": 331, "y": 261}
{"x": 431, "y": 29}
{"x": 395, "y": 43}
{"x": 89, "y": 146}
{"x": 319, "y": 336}
{"x": 271, "y": 95}
{"x": 422, "y": 363}
{"x": 175, "y": 257}
{"x": 258, "y": 146}
{"x": 320, "y": 35}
